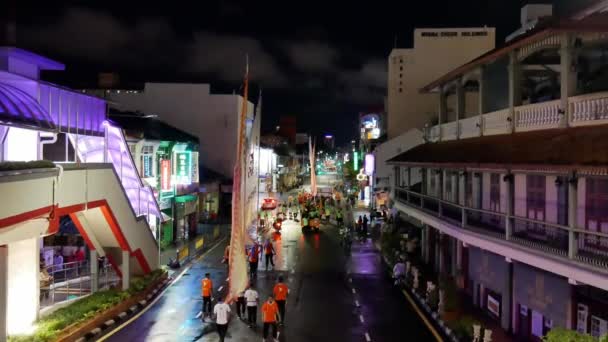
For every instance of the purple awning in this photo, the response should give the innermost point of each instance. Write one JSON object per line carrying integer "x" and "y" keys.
{"x": 20, "y": 109}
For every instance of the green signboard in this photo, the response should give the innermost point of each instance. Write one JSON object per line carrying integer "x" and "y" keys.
{"x": 183, "y": 166}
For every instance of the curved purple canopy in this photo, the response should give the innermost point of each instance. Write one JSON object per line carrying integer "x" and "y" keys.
{"x": 19, "y": 108}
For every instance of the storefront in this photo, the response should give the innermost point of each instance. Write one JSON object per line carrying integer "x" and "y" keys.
{"x": 186, "y": 218}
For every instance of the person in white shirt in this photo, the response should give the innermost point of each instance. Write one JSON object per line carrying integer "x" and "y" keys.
{"x": 399, "y": 271}
{"x": 251, "y": 296}
{"x": 221, "y": 311}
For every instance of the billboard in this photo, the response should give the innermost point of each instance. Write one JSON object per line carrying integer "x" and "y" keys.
{"x": 165, "y": 175}
{"x": 370, "y": 126}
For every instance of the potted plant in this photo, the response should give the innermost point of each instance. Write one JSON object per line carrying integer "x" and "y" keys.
{"x": 463, "y": 328}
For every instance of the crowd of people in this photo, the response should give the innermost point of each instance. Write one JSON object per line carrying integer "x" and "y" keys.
{"x": 273, "y": 310}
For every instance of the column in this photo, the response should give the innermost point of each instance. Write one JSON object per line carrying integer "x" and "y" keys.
{"x": 440, "y": 192}
{"x": 567, "y": 74}
{"x": 509, "y": 220}
{"x": 443, "y": 106}
{"x": 572, "y": 217}
{"x": 462, "y": 192}
{"x": 454, "y": 258}
{"x": 439, "y": 254}
{"x": 94, "y": 271}
{"x": 481, "y": 99}
{"x": 454, "y": 189}
{"x": 514, "y": 86}
{"x": 427, "y": 252}
{"x": 3, "y": 290}
{"x": 460, "y": 106}
{"x": 507, "y": 299}
{"x": 459, "y": 255}
{"x": 126, "y": 270}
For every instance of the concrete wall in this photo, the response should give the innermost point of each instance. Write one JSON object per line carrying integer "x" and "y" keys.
{"x": 421, "y": 65}
{"x": 23, "y": 285}
{"x": 491, "y": 270}
{"x": 191, "y": 108}
{"x": 544, "y": 292}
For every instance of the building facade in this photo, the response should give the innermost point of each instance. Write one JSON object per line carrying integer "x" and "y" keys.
{"x": 410, "y": 69}
{"x": 512, "y": 201}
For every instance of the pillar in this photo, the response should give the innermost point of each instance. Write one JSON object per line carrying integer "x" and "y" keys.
{"x": 94, "y": 271}
{"x": 423, "y": 242}
{"x": 481, "y": 99}
{"x": 507, "y": 299}
{"x": 459, "y": 255}
{"x": 439, "y": 262}
{"x": 514, "y": 86}
{"x": 440, "y": 192}
{"x": 126, "y": 270}
{"x": 455, "y": 194}
{"x": 454, "y": 258}
{"x": 443, "y": 106}
{"x": 460, "y": 106}
{"x": 567, "y": 74}
{"x": 572, "y": 217}
{"x": 3, "y": 290}
{"x": 509, "y": 219}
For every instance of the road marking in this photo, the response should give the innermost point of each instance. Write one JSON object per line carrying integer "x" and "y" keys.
{"x": 144, "y": 310}
{"x": 354, "y": 291}
{"x": 350, "y": 280}
{"x": 361, "y": 319}
{"x": 198, "y": 315}
{"x": 426, "y": 321}
{"x": 220, "y": 289}
{"x": 367, "y": 338}
{"x": 357, "y": 303}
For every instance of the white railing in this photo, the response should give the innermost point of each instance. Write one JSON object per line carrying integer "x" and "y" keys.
{"x": 496, "y": 122}
{"x": 470, "y": 127}
{"x": 434, "y": 133}
{"x": 588, "y": 109}
{"x": 541, "y": 115}
{"x": 450, "y": 131}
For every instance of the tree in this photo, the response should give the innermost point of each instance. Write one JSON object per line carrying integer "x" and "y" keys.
{"x": 566, "y": 335}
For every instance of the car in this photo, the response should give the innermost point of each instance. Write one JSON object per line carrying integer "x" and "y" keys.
{"x": 269, "y": 204}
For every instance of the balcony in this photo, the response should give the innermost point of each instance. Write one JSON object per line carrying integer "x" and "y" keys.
{"x": 587, "y": 247}
{"x": 583, "y": 110}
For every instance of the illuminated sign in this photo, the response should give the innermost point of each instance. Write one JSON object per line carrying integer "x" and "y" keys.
{"x": 370, "y": 126}
{"x": 194, "y": 167}
{"x": 165, "y": 175}
{"x": 355, "y": 160}
{"x": 147, "y": 162}
{"x": 369, "y": 164}
{"x": 183, "y": 167}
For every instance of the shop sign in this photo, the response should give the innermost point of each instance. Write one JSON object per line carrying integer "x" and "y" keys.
{"x": 194, "y": 161}
{"x": 165, "y": 175}
{"x": 183, "y": 167}
{"x": 493, "y": 305}
{"x": 147, "y": 165}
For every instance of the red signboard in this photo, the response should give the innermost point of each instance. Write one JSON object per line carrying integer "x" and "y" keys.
{"x": 165, "y": 175}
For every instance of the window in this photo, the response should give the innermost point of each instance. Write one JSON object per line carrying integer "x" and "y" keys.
{"x": 401, "y": 60}
{"x": 494, "y": 192}
{"x": 480, "y": 33}
{"x": 535, "y": 202}
{"x": 400, "y": 90}
{"x": 448, "y": 186}
{"x": 596, "y": 218}
{"x": 400, "y": 82}
{"x": 401, "y": 68}
{"x": 400, "y": 75}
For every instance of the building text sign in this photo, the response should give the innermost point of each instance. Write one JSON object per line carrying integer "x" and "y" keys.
{"x": 165, "y": 175}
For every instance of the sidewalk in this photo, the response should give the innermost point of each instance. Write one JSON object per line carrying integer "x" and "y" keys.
{"x": 206, "y": 232}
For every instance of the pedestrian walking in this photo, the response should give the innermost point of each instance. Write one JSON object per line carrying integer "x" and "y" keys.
{"x": 269, "y": 315}
{"x": 269, "y": 253}
{"x": 206, "y": 289}
{"x": 251, "y": 296}
{"x": 221, "y": 311}
{"x": 254, "y": 254}
{"x": 240, "y": 305}
{"x": 365, "y": 221}
{"x": 280, "y": 292}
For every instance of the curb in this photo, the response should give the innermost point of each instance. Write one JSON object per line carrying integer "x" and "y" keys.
{"x": 123, "y": 316}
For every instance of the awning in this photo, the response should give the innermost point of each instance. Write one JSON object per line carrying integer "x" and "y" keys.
{"x": 18, "y": 108}
{"x": 564, "y": 149}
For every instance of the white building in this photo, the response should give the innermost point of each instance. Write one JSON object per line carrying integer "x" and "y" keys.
{"x": 410, "y": 69}
{"x": 192, "y": 108}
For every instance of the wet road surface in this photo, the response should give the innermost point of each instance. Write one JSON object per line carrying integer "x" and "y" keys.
{"x": 333, "y": 296}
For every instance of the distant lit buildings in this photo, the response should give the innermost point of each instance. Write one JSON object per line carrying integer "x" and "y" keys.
{"x": 329, "y": 142}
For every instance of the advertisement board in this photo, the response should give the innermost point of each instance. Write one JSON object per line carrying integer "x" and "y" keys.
{"x": 183, "y": 167}
{"x": 165, "y": 175}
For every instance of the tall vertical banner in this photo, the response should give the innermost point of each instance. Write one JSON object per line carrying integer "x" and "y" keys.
{"x": 238, "y": 262}
{"x": 313, "y": 167}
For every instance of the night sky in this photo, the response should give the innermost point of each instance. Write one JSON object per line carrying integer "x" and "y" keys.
{"x": 322, "y": 62}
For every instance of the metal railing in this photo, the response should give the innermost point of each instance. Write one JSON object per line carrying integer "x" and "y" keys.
{"x": 73, "y": 280}
{"x": 589, "y": 247}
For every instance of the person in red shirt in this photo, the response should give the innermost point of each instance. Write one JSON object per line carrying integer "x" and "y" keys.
{"x": 269, "y": 253}
{"x": 253, "y": 256}
{"x": 269, "y": 316}
{"x": 207, "y": 290}
{"x": 280, "y": 292}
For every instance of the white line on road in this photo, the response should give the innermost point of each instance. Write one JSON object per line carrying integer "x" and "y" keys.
{"x": 354, "y": 291}
{"x": 198, "y": 315}
{"x": 367, "y": 338}
{"x": 350, "y": 280}
{"x": 361, "y": 319}
{"x": 220, "y": 289}
{"x": 357, "y": 303}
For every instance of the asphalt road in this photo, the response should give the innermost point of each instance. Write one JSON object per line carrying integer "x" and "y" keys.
{"x": 333, "y": 296}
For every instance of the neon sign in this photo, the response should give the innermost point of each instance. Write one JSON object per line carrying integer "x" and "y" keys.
{"x": 165, "y": 175}
{"x": 183, "y": 167}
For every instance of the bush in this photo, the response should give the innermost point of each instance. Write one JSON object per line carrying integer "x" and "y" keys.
{"x": 567, "y": 335}
{"x": 463, "y": 328}
{"x": 49, "y": 327}
{"x": 390, "y": 243}
{"x": 450, "y": 290}
{"x": 18, "y": 165}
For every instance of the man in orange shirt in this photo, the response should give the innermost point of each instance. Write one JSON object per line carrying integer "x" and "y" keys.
{"x": 269, "y": 316}
{"x": 280, "y": 294}
{"x": 206, "y": 289}
{"x": 254, "y": 254}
